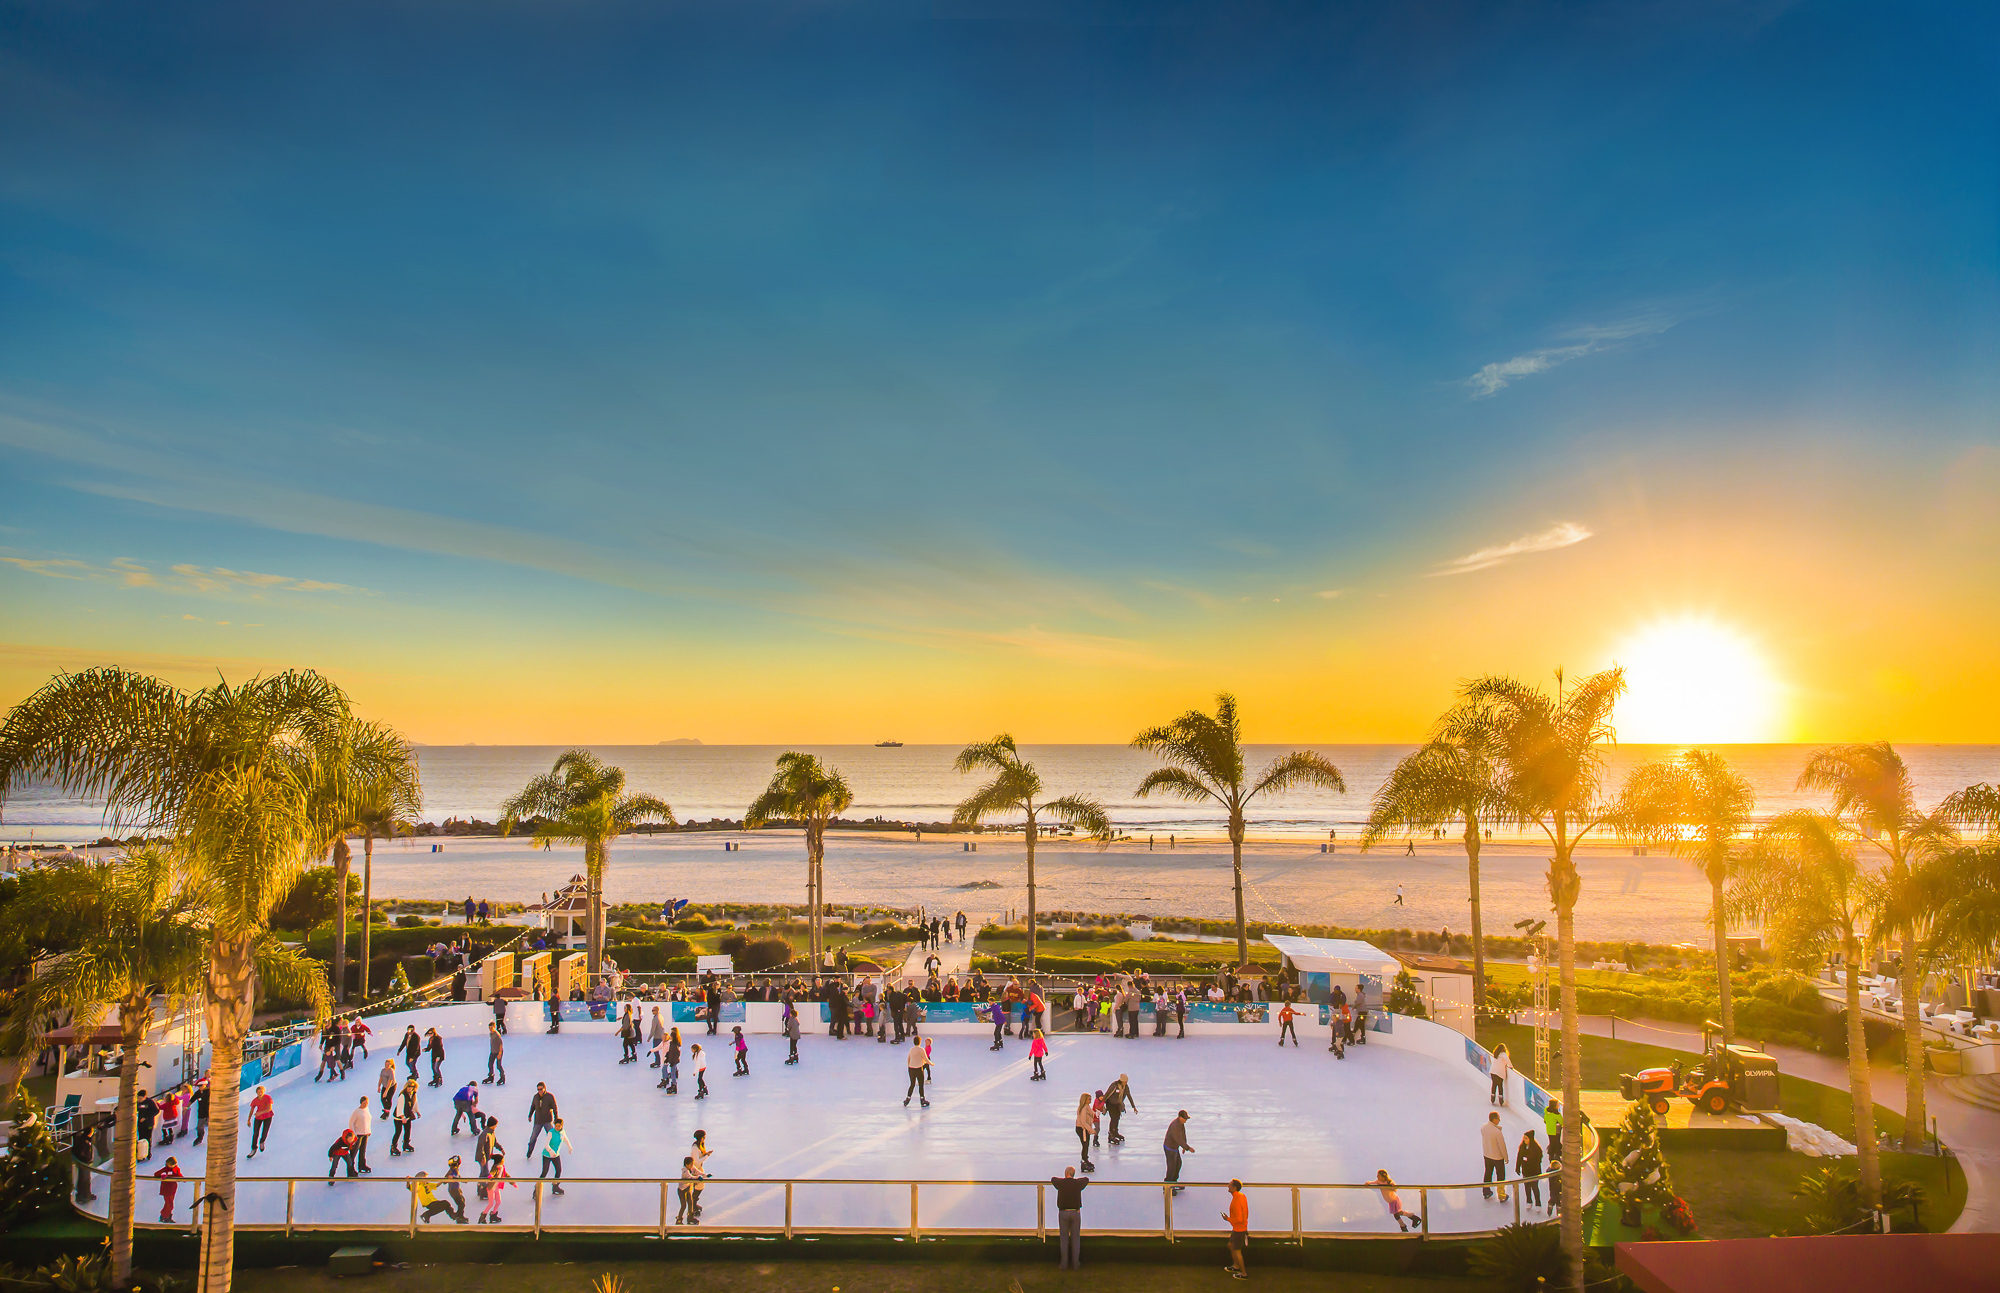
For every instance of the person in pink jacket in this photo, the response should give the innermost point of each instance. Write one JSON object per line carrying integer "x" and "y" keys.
{"x": 1038, "y": 1050}
{"x": 496, "y": 1181}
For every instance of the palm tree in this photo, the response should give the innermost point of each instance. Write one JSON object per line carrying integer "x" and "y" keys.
{"x": 227, "y": 773}
{"x": 1873, "y": 801}
{"x": 1551, "y": 776}
{"x": 127, "y": 929}
{"x": 806, "y": 791}
{"x": 368, "y": 783}
{"x": 582, "y": 800}
{"x": 1204, "y": 757}
{"x": 1697, "y": 805}
{"x": 1014, "y": 789}
{"x": 1803, "y": 881}
{"x": 1451, "y": 778}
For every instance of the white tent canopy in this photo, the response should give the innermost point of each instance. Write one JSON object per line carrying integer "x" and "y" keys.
{"x": 1343, "y": 956}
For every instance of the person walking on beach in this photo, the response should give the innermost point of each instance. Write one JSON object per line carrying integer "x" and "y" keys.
{"x": 1502, "y": 1069}
{"x": 700, "y": 1063}
{"x": 362, "y": 1124}
{"x": 553, "y": 1149}
{"x": 1086, "y": 1123}
{"x": 1399, "y": 896}
{"x": 496, "y": 1052}
{"x": 959, "y": 920}
{"x": 1528, "y": 1167}
{"x": 1069, "y": 1218}
{"x": 405, "y": 1118}
{"x": 1493, "y": 1148}
{"x": 1393, "y": 1200}
{"x": 260, "y": 1120}
{"x": 465, "y": 1104}
{"x": 1117, "y": 1097}
{"x": 742, "y": 1051}
{"x": 169, "y": 1178}
{"x": 1176, "y": 1145}
{"x": 434, "y": 1047}
{"x": 916, "y": 1061}
{"x": 542, "y": 1114}
{"x": 1038, "y": 1050}
{"x": 656, "y": 1030}
{"x": 1238, "y": 1217}
{"x": 1285, "y": 1017}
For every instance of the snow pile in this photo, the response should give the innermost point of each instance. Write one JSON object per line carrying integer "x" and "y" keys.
{"x": 1809, "y": 1138}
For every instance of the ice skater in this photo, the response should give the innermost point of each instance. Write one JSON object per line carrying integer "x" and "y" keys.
{"x": 1503, "y": 1068}
{"x": 1086, "y": 1125}
{"x": 1176, "y": 1144}
{"x": 465, "y": 1104}
{"x": 999, "y": 1022}
{"x": 261, "y": 1109}
{"x": 1493, "y": 1148}
{"x": 1117, "y": 1098}
{"x": 362, "y": 1124}
{"x": 386, "y": 1083}
{"x": 690, "y": 1174}
{"x": 628, "y": 1036}
{"x": 553, "y": 1149}
{"x": 1528, "y": 1167}
{"x": 169, "y": 1179}
{"x": 339, "y": 1152}
{"x": 405, "y": 1118}
{"x": 1038, "y": 1050}
{"x": 1394, "y": 1202}
{"x": 670, "y": 1062}
{"x": 792, "y": 1030}
{"x": 496, "y": 1053}
{"x": 412, "y": 1047}
{"x": 1285, "y": 1029}
{"x": 742, "y": 1048}
{"x": 656, "y": 1029}
{"x": 699, "y": 1062}
{"x": 427, "y": 1197}
{"x": 496, "y": 1181}
{"x": 434, "y": 1047}
{"x": 542, "y": 1114}
{"x": 916, "y": 1061}
{"x": 699, "y": 1152}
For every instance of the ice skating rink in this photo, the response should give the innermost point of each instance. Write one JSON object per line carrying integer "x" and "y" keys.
{"x": 1273, "y": 1117}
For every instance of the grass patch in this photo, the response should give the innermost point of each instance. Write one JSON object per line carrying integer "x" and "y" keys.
{"x": 1738, "y": 1195}
{"x": 1206, "y": 955}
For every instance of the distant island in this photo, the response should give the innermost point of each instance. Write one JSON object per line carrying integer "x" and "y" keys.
{"x": 681, "y": 740}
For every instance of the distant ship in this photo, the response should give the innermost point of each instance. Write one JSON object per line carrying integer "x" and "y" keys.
{"x": 888, "y": 745}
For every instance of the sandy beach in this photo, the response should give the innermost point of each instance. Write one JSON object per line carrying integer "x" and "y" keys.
{"x": 1657, "y": 899}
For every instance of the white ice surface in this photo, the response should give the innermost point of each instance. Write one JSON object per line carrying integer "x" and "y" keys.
{"x": 1290, "y": 1116}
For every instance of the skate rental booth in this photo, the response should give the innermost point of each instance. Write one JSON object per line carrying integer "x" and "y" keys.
{"x": 829, "y": 1146}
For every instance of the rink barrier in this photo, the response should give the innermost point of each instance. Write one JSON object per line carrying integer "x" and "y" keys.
{"x": 1168, "y": 1230}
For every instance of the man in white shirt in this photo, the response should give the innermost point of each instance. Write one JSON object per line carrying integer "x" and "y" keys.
{"x": 361, "y": 1122}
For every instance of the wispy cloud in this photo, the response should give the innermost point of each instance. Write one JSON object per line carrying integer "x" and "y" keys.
{"x": 220, "y": 579}
{"x": 1561, "y": 535}
{"x": 1329, "y": 593}
{"x": 1496, "y": 377}
{"x": 197, "y": 579}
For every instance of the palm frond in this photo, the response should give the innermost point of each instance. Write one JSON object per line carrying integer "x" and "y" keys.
{"x": 1178, "y": 782}
{"x": 632, "y": 809}
{"x": 996, "y": 755}
{"x": 1977, "y": 807}
{"x": 1299, "y": 768}
{"x": 292, "y": 975}
{"x": 1082, "y": 812}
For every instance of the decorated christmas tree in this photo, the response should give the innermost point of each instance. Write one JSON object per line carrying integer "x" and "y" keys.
{"x": 35, "y": 1174}
{"x": 399, "y": 983}
{"x": 1634, "y": 1171}
{"x": 1404, "y": 999}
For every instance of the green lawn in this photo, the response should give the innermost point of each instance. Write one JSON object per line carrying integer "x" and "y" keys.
{"x": 1517, "y": 976}
{"x": 1604, "y": 1059}
{"x": 1739, "y": 1195}
{"x": 750, "y": 1276}
{"x": 1207, "y": 954}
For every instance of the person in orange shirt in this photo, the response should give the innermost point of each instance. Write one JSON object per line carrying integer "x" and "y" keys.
{"x": 1238, "y": 1218}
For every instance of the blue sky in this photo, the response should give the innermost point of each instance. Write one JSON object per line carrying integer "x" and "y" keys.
{"x": 950, "y": 355}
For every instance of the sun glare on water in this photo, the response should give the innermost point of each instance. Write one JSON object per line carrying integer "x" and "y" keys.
{"x": 1692, "y": 680}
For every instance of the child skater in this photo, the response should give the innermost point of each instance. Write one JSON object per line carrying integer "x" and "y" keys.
{"x": 742, "y": 1052}
{"x": 699, "y": 1062}
{"x": 1038, "y": 1050}
{"x": 1394, "y": 1202}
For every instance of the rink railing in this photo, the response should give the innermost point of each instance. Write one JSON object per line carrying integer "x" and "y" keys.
{"x": 1438, "y": 1208}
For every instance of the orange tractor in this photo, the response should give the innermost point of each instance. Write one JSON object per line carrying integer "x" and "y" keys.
{"x": 1728, "y": 1076}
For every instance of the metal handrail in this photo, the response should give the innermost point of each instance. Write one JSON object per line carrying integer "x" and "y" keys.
{"x": 668, "y": 1186}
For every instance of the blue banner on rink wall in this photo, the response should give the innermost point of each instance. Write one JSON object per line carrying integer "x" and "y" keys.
{"x": 253, "y": 1073}
{"x": 287, "y": 1058}
{"x": 1536, "y": 1098}
{"x": 1222, "y": 1012}
{"x": 1478, "y": 1057}
{"x": 695, "y": 1012}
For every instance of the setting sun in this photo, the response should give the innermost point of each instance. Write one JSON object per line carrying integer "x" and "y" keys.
{"x": 1691, "y": 679}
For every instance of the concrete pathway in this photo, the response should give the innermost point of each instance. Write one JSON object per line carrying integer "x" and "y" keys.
{"x": 1973, "y": 1133}
{"x": 954, "y": 957}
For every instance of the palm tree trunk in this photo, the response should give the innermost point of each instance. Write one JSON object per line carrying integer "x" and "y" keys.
{"x": 1722, "y": 960}
{"x": 1866, "y": 1152}
{"x": 1030, "y": 837}
{"x": 593, "y": 937}
{"x": 1563, "y": 885}
{"x": 1478, "y": 929}
{"x": 367, "y": 904}
{"x": 816, "y": 857}
{"x": 135, "y": 1014}
{"x": 343, "y": 858}
{"x": 1914, "y": 1060}
{"x": 1236, "y": 856}
{"x": 229, "y": 988}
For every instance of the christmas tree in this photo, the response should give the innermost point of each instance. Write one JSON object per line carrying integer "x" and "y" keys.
{"x": 399, "y": 983}
{"x": 1403, "y": 998}
{"x": 1634, "y": 1170}
{"x": 35, "y": 1174}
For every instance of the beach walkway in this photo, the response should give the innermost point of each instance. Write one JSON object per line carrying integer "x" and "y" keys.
{"x": 955, "y": 957}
